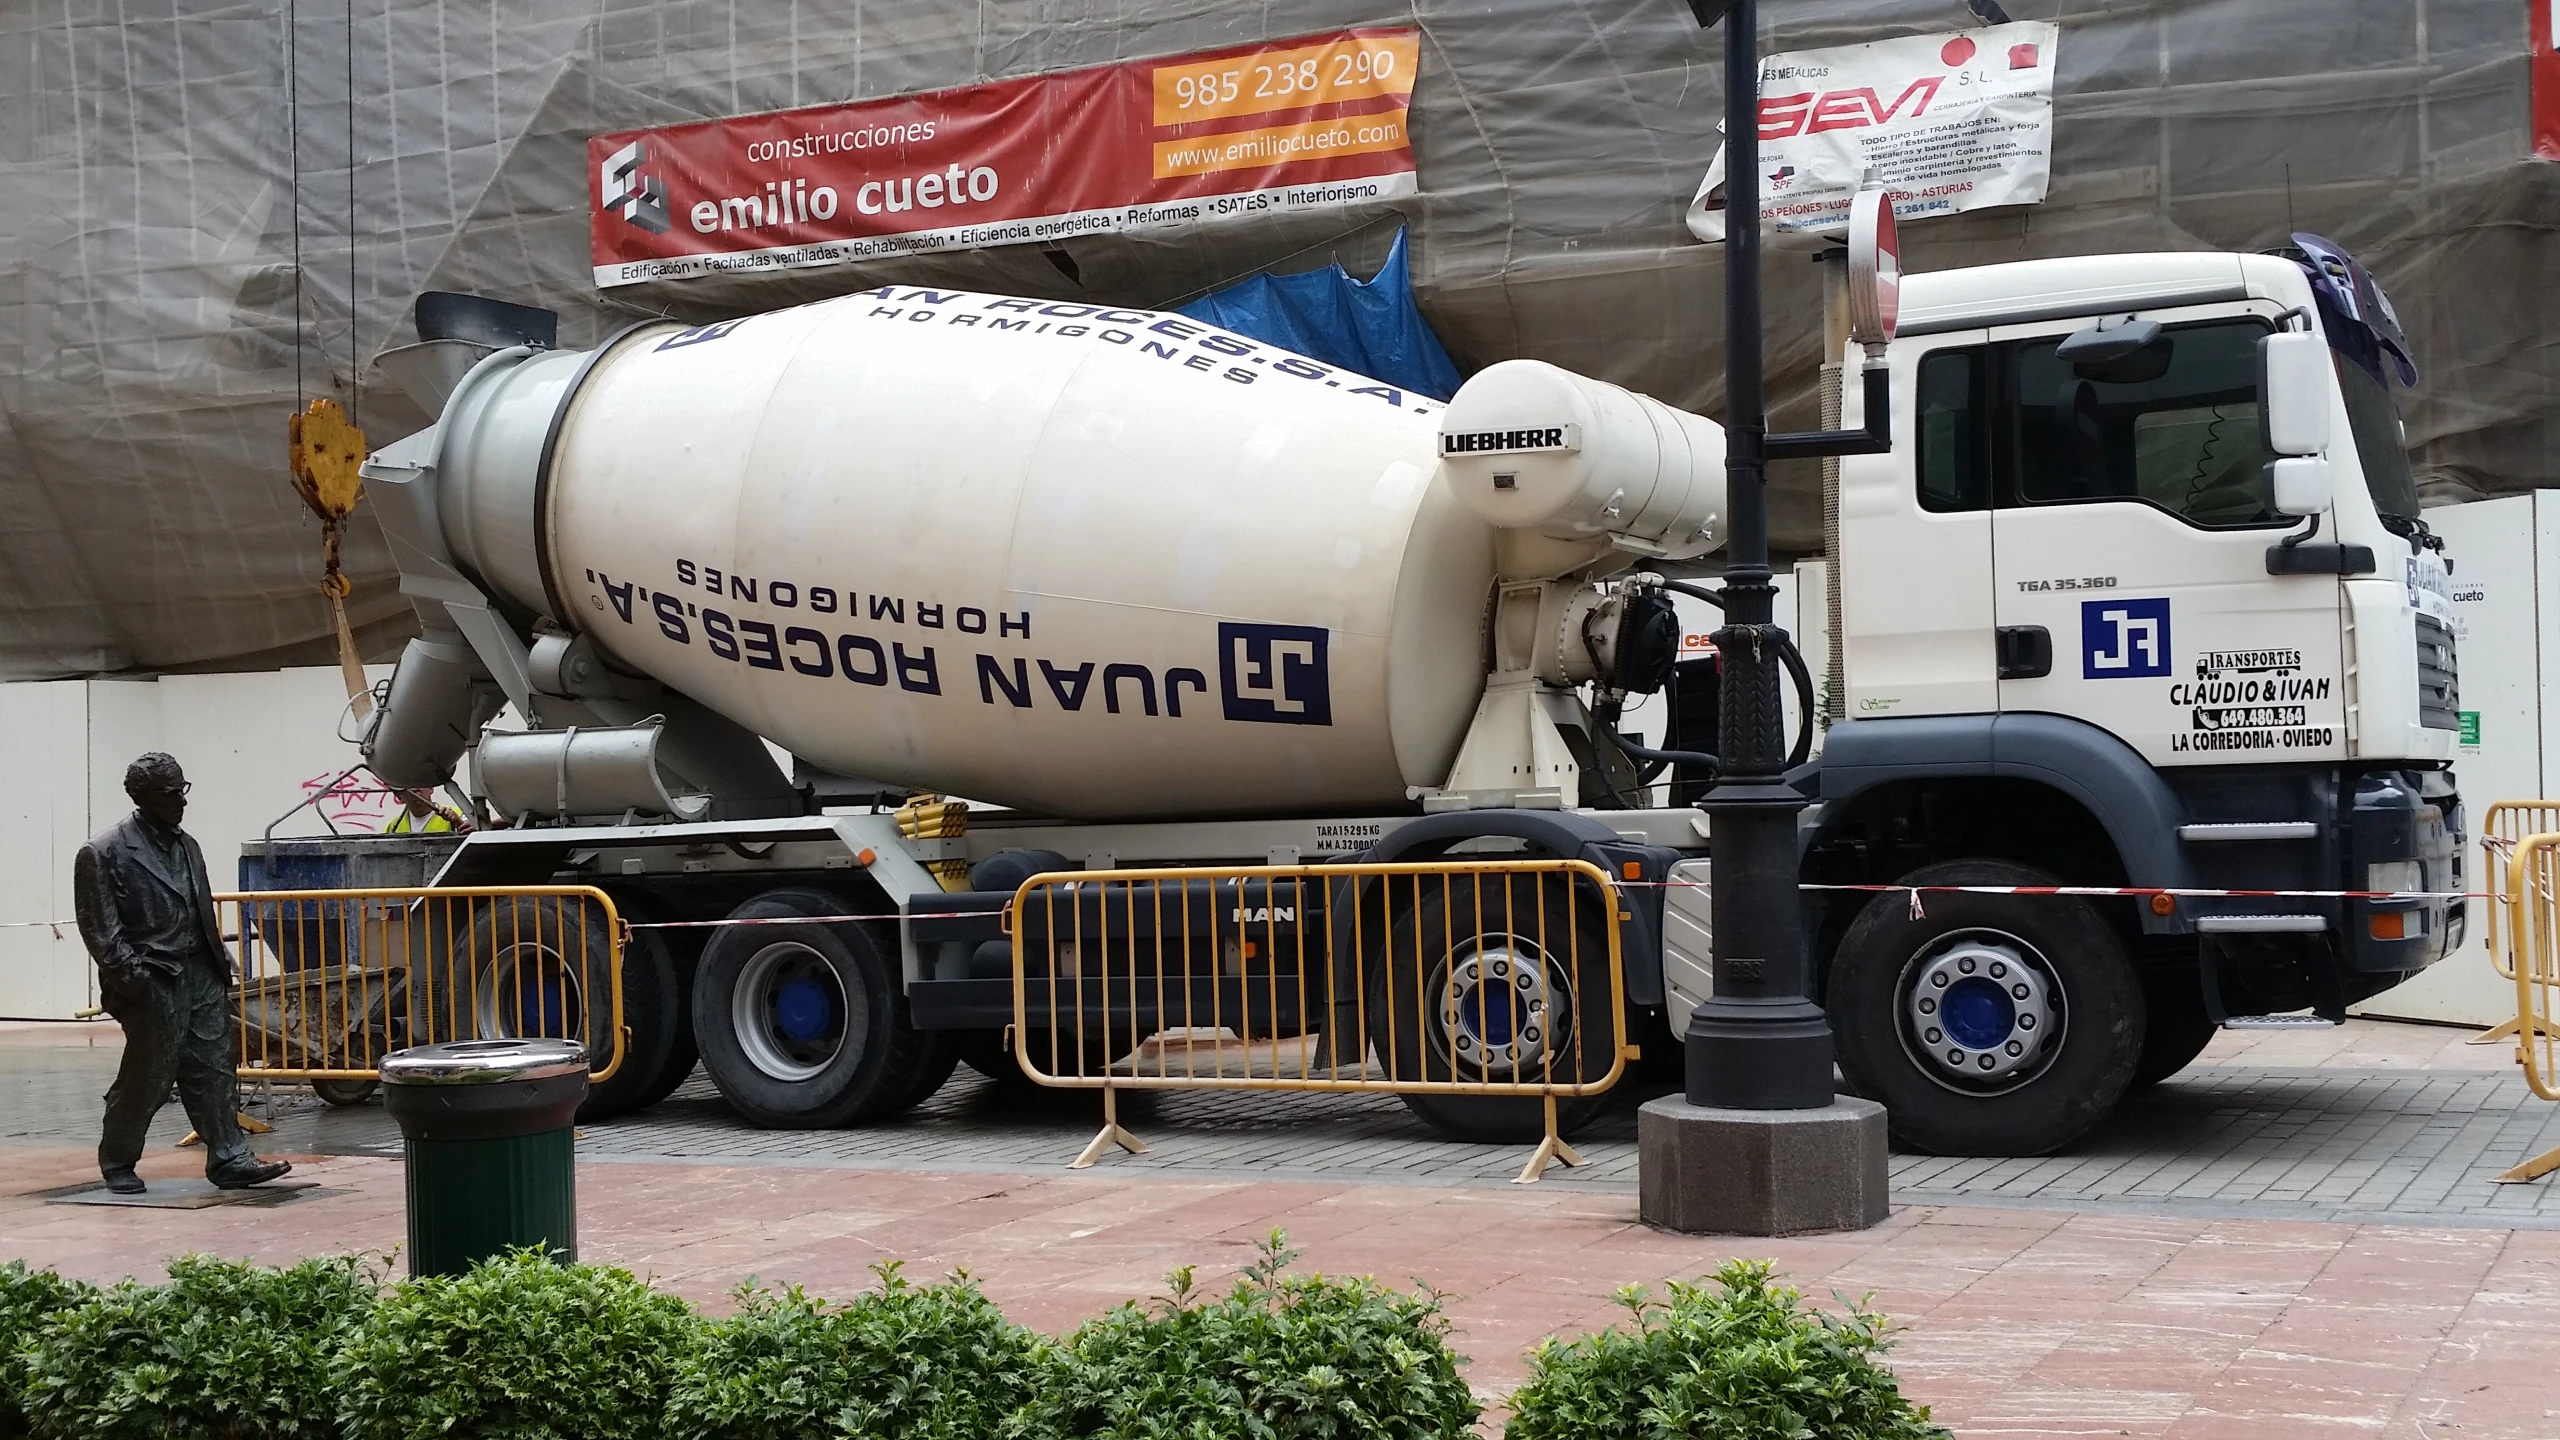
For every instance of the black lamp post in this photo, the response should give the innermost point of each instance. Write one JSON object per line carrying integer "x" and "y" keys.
{"x": 1760, "y": 1042}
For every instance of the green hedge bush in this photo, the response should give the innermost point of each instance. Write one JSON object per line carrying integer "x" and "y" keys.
{"x": 1740, "y": 1359}
{"x": 523, "y": 1348}
{"x": 1280, "y": 1355}
{"x": 28, "y": 1298}
{"x": 227, "y": 1350}
{"x": 904, "y": 1362}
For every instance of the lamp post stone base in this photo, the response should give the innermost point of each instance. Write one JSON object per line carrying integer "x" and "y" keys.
{"x": 1705, "y": 1170}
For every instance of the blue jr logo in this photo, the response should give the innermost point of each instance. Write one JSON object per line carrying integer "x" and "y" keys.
{"x": 2124, "y": 639}
{"x": 1275, "y": 674}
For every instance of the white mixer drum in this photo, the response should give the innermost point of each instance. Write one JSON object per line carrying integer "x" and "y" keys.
{"x": 1071, "y": 559}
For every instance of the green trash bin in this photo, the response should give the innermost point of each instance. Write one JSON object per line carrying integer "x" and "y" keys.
{"x": 486, "y": 1126}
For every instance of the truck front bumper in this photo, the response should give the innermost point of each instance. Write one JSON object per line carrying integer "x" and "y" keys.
{"x": 2405, "y": 833}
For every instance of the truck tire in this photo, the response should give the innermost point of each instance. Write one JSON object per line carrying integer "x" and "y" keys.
{"x": 803, "y": 1026}
{"x": 543, "y": 966}
{"x": 2174, "y": 1032}
{"x": 984, "y": 1051}
{"x": 345, "y": 1094}
{"x": 1992, "y": 1024}
{"x": 939, "y": 1057}
{"x": 1464, "y": 977}
{"x": 683, "y": 949}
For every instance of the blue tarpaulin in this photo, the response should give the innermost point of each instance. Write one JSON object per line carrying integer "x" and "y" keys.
{"x": 1369, "y": 327}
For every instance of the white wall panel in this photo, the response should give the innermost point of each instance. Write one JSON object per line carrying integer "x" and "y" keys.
{"x": 44, "y": 812}
{"x": 2501, "y": 557}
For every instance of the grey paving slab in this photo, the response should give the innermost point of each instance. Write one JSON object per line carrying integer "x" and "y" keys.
{"x": 2415, "y": 1147}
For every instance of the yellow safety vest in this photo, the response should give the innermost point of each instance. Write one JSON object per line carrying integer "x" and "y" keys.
{"x": 400, "y": 824}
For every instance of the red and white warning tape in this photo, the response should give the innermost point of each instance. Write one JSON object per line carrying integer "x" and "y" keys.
{"x": 810, "y": 920}
{"x": 2144, "y": 892}
{"x": 2098, "y": 892}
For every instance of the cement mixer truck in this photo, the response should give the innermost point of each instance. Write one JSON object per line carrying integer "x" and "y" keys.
{"x": 2138, "y": 599}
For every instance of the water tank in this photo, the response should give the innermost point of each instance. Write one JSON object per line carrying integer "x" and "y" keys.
{"x": 1072, "y": 559}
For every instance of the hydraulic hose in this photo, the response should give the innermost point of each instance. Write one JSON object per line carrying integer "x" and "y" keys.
{"x": 1659, "y": 758}
{"x": 1694, "y": 592}
{"x": 1794, "y": 661}
{"x": 1788, "y": 656}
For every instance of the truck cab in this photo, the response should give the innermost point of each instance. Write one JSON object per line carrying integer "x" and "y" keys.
{"x": 2137, "y": 600}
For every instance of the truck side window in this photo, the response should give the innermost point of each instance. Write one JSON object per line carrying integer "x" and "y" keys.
{"x": 2184, "y": 438}
{"x": 1955, "y": 468}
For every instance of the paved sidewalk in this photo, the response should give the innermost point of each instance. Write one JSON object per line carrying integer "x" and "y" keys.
{"x": 2399, "y": 1124}
{"x": 2184, "y": 1274}
{"x": 2020, "y": 1322}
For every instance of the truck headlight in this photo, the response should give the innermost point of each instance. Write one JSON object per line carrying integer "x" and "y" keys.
{"x": 2395, "y": 875}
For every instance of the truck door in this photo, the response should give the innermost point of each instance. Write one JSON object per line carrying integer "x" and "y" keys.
{"x": 2129, "y": 541}
{"x": 1915, "y": 544}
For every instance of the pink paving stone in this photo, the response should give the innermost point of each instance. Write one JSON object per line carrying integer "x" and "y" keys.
{"x": 2017, "y": 1322}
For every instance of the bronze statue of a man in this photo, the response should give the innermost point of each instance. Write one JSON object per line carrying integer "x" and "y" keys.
{"x": 146, "y": 913}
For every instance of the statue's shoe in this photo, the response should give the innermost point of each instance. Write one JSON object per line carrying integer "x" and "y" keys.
{"x": 123, "y": 1182}
{"x": 256, "y": 1172}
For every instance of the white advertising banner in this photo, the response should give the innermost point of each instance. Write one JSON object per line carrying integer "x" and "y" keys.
{"x": 1947, "y": 122}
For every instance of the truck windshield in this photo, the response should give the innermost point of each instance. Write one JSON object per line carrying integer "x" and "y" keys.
{"x": 2380, "y": 447}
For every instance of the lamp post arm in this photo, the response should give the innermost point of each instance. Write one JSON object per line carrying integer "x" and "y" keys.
{"x": 1875, "y": 439}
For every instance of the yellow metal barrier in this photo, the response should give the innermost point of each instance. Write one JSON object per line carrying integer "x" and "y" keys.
{"x": 2532, "y": 894}
{"x": 2507, "y": 824}
{"x": 1468, "y": 983}
{"x": 333, "y": 980}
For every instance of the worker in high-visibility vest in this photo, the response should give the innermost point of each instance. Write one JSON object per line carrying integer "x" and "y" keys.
{"x": 420, "y": 816}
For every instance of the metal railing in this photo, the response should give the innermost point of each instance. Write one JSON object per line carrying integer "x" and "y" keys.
{"x": 1477, "y": 982}
{"x": 2532, "y": 901}
{"x": 330, "y": 981}
{"x": 2506, "y": 825}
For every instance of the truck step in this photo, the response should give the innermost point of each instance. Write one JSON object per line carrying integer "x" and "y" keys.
{"x": 2279, "y": 1022}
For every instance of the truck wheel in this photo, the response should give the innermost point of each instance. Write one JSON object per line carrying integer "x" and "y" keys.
{"x": 1480, "y": 973}
{"x": 984, "y": 1051}
{"x": 1994, "y": 1024}
{"x": 544, "y": 966}
{"x": 2175, "y": 1031}
{"x": 345, "y": 1094}
{"x": 683, "y": 950}
{"x": 802, "y": 1025}
{"x": 939, "y": 1056}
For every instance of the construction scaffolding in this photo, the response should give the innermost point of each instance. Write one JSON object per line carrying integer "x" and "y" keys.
{"x": 219, "y": 212}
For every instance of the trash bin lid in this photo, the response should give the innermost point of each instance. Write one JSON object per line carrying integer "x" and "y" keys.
{"x": 483, "y": 1062}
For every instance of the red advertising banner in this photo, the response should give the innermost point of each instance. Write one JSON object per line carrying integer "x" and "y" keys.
{"x": 1301, "y": 124}
{"x": 2542, "y": 30}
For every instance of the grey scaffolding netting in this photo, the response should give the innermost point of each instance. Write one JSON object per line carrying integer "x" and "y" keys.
{"x": 164, "y": 176}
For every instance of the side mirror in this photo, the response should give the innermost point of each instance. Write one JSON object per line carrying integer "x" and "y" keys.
{"x": 2294, "y": 386}
{"x": 2298, "y": 485}
{"x": 2132, "y": 353}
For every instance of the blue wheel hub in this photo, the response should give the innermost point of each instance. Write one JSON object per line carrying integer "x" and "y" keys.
{"x": 1490, "y": 1015}
{"x": 1500, "y": 1009}
{"x": 1979, "y": 1014}
{"x": 803, "y": 1009}
{"x": 544, "y": 1005}
{"x": 792, "y": 1014}
{"x": 1981, "y": 1010}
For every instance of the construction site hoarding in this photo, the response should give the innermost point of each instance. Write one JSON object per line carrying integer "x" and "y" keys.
{"x": 1948, "y": 123}
{"x": 224, "y": 212}
{"x": 1312, "y": 123}
{"x": 2543, "y": 40}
